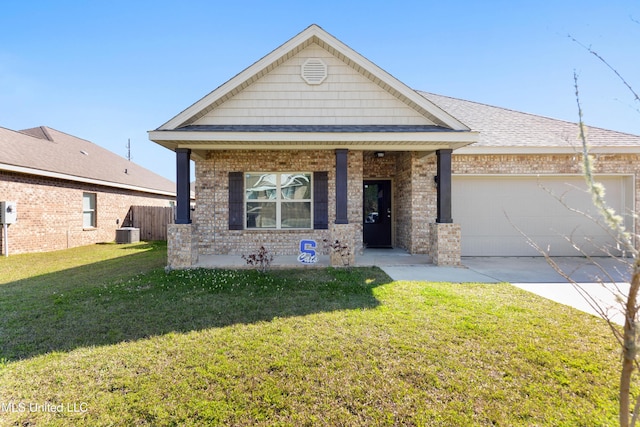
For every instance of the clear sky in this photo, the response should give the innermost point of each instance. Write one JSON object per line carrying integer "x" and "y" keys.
{"x": 109, "y": 71}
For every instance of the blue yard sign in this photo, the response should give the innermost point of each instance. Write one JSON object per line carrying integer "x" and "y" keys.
{"x": 308, "y": 252}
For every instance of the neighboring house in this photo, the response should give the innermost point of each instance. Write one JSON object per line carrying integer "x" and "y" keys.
{"x": 316, "y": 142}
{"x": 68, "y": 191}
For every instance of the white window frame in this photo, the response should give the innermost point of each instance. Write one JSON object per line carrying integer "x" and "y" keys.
{"x": 278, "y": 201}
{"x": 94, "y": 221}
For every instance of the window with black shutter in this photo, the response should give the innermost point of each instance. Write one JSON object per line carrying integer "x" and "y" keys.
{"x": 320, "y": 200}
{"x": 278, "y": 201}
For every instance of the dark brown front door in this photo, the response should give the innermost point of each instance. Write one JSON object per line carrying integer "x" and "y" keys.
{"x": 377, "y": 214}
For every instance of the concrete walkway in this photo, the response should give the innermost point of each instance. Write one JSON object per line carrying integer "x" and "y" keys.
{"x": 532, "y": 274}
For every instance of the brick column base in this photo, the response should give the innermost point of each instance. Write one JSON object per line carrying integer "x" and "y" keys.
{"x": 345, "y": 235}
{"x": 445, "y": 244}
{"x": 182, "y": 246}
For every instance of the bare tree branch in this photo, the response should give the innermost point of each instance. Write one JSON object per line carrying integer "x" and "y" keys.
{"x": 609, "y": 66}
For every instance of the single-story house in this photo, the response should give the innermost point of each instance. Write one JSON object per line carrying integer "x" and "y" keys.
{"x": 69, "y": 191}
{"x": 314, "y": 142}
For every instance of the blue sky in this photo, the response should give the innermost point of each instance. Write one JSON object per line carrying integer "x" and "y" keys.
{"x": 109, "y": 71}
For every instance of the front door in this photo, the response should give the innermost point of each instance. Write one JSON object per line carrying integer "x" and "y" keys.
{"x": 377, "y": 214}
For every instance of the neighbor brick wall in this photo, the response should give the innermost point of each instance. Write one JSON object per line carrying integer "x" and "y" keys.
{"x": 212, "y": 193}
{"x": 50, "y": 212}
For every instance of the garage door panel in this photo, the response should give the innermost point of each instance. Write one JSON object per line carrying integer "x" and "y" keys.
{"x": 490, "y": 208}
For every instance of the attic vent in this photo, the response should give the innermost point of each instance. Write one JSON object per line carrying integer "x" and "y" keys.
{"x": 314, "y": 71}
{"x": 84, "y": 152}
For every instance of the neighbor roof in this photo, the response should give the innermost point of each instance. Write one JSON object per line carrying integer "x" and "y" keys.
{"x": 47, "y": 152}
{"x": 506, "y": 131}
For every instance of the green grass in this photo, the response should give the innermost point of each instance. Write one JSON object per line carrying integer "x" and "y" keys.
{"x": 104, "y": 328}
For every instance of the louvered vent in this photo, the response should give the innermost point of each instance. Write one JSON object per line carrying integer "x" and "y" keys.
{"x": 314, "y": 71}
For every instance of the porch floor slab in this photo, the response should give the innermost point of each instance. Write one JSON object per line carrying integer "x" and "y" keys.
{"x": 369, "y": 257}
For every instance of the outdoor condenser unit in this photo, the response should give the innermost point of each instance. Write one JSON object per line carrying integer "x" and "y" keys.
{"x": 8, "y": 213}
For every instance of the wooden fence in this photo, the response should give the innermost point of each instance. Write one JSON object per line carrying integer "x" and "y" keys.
{"x": 151, "y": 220}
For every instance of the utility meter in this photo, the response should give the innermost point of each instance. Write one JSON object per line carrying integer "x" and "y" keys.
{"x": 8, "y": 213}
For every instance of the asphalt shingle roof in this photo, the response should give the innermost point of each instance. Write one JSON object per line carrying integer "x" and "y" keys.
{"x": 48, "y": 150}
{"x": 500, "y": 127}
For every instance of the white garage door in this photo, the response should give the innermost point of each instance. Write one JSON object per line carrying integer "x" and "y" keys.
{"x": 489, "y": 208}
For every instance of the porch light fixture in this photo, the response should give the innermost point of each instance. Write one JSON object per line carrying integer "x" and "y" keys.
{"x": 379, "y": 154}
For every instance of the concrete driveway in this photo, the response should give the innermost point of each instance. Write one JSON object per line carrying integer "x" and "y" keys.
{"x": 603, "y": 280}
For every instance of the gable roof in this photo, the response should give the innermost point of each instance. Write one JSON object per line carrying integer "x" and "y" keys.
{"x": 44, "y": 151}
{"x": 241, "y": 113}
{"x": 507, "y": 131}
{"x": 313, "y": 34}
{"x": 408, "y": 121}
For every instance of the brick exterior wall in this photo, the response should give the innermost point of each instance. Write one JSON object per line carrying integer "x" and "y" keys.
{"x": 182, "y": 246}
{"x": 445, "y": 244}
{"x": 414, "y": 195}
{"x": 50, "y": 212}
{"x": 212, "y": 199}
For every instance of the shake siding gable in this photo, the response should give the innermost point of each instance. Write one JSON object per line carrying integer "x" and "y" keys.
{"x": 282, "y": 97}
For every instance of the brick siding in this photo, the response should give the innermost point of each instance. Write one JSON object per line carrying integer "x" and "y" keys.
{"x": 212, "y": 199}
{"x": 50, "y": 212}
{"x": 413, "y": 187}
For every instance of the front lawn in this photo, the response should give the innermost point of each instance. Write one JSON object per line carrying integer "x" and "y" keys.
{"x": 111, "y": 339}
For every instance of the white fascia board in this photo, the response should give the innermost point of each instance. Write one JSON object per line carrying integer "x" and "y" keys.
{"x": 479, "y": 150}
{"x": 66, "y": 177}
{"x": 205, "y": 138}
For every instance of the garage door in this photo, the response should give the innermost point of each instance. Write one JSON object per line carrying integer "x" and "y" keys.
{"x": 489, "y": 208}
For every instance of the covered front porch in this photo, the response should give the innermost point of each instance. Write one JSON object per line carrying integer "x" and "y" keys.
{"x": 420, "y": 209}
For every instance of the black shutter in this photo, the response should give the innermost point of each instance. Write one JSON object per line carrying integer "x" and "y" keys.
{"x": 236, "y": 201}
{"x": 320, "y": 200}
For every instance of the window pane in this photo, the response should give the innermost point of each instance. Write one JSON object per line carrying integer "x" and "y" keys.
{"x": 261, "y": 215}
{"x": 88, "y": 201}
{"x": 296, "y": 186}
{"x": 261, "y": 187}
{"x": 371, "y": 204}
{"x": 296, "y": 215}
{"x": 87, "y": 220}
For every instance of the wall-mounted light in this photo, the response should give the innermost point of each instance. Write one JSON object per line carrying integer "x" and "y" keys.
{"x": 379, "y": 154}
